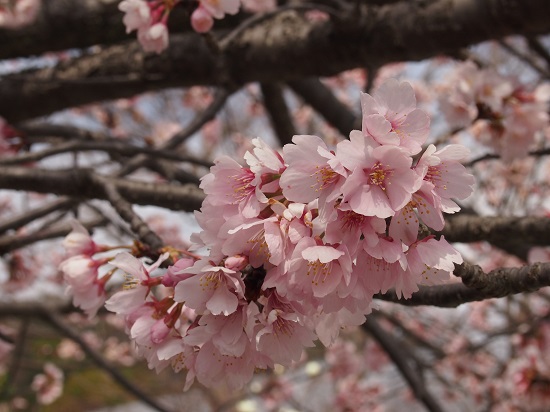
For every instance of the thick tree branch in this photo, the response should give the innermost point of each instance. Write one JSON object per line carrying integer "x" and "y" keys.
{"x": 478, "y": 286}
{"x": 467, "y": 228}
{"x": 321, "y": 98}
{"x": 284, "y": 48}
{"x": 79, "y": 183}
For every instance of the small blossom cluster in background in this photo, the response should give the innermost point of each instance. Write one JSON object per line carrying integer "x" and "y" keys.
{"x": 48, "y": 386}
{"x": 501, "y": 112}
{"x": 18, "y": 13}
{"x": 149, "y": 18}
{"x": 299, "y": 243}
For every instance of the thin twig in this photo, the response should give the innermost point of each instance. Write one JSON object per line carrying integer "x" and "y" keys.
{"x": 176, "y": 140}
{"x": 12, "y": 242}
{"x": 527, "y": 59}
{"x": 22, "y": 219}
{"x": 538, "y": 48}
{"x": 117, "y": 147}
{"x": 491, "y": 156}
{"x": 138, "y": 225}
{"x": 17, "y": 357}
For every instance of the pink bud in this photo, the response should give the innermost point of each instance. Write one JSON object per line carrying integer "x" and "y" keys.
{"x": 236, "y": 263}
{"x": 201, "y": 20}
{"x": 159, "y": 331}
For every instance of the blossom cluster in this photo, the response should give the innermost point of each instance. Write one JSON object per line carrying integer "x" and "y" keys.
{"x": 150, "y": 18}
{"x": 298, "y": 244}
{"x": 503, "y": 114}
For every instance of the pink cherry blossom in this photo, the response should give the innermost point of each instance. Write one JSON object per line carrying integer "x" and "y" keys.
{"x": 79, "y": 242}
{"x": 215, "y": 288}
{"x": 218, "y": 8}
{"x": 48, "y": 385}
{"x": 154, "y": 38}
{"x": 283, "y": 333}
{"x": 80, "y": 273}
{"x": 138, "y": 283}
{"x": 228, "y": 183}
{"x": 381, "y": 180}
{"x": 318, "y": 270}
{"x": 20, "y": 13}
{"x": 137, "y": 14}
{"x": 450, "y": 179}
{"x": 312, "y": 171}
{"x": 353, "y": 229}
{"x": 390, "y": 116}
{"x": 201, "y": 20}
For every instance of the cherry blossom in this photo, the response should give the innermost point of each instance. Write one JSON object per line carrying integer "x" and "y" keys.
{"x": 48, "y": 385}
{"x": 381, "y": 180}
{"x": 390, "y": 116}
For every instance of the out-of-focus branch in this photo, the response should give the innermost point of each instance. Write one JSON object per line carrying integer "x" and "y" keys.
{"x": 411, "y": 335}
{"x": 491, "y": 156}
{"x": 526, "y": 58}
{"x": 12, "y": 242}
{"x": 97, "y": 358}
{"x": 16, "y": 359}
{"x": 321, "y": 98}
{"x": 401, "y": 357}
{"x": 176, "y": 140}
{"x": 118, "y": 147}
{"x": 466, "y": 228}
{"x": 281, "y": 120}
{"x": 538, "y": 48}
{"x": 22, "y": 219}
{"x": 79, "y": 183}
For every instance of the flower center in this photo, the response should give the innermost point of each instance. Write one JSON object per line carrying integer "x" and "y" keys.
{"x": 242, "y": 187}
{"x": 318, "y": 272}
{"x": 350, "y": 220}
{"x": 324, "y": 177}
{"x": 377, "y": 175}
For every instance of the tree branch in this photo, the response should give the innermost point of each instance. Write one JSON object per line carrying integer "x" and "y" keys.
{"x": 194, "y": 126}
{"x": 477, "y": 286}
{"x": 80, "y": 183}
{"x": 321, "y": 98}
{"x": 98, "y": 359}
{"x": 22, "y": 219}
{"x": 124, "y": 209}
{"x": 401, "y": 358}
{"x": 467, "y": 228}
{"x": 281, "y": 120}
{"x": 12, "y": 242}
{"x": 109, "y": 146}
{"x": 404, "y": 31}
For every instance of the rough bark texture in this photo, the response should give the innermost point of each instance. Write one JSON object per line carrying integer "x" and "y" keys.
{"x": 283, "y": 47}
